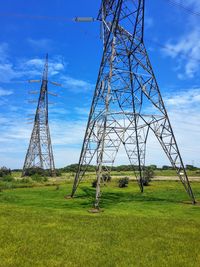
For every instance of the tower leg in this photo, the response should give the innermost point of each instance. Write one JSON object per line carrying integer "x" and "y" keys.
{"x": 164, "y": 133}
{"x": 135, "y": 146}
{"x": 89, "y": 149}
{"x": 98, "y": 187}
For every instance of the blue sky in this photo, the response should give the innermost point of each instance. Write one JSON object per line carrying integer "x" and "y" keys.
{"x": 31, "y": 29}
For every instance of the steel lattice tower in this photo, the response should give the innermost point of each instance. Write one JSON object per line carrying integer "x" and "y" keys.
{"x": 127, "y": 102}
{"x": 40, "y": 153}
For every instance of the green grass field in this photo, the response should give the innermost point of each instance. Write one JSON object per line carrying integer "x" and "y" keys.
{"x": 39, "y": 227}
{"x": 166, "y": 173}
{"x": 92, "y": 175}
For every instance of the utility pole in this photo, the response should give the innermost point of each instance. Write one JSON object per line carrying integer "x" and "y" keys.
{"x": 127, "y": 102}
{"x": 40, "y": 153}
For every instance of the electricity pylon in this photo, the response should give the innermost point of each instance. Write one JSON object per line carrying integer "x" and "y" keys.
{"x": 127, "y": 102}
{"x": 40, "y": 153}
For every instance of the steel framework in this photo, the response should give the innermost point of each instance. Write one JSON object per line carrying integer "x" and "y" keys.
{"x": 40, "y": 153}
{"x": 127, "y": 102}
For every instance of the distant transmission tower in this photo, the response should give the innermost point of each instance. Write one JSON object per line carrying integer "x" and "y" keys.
{"x": 127, "y": 102}
{"x": 40, "y": 153}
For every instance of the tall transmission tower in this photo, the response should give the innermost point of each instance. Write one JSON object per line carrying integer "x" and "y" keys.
{"x": 40, "y": 153}
{"x": 127, "y": 102}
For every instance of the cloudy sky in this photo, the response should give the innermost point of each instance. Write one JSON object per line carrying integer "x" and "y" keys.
{"x": 30, "y": 29}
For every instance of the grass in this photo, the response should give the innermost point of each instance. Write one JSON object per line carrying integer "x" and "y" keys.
{"x": 39, "y": 227}
{"x": 167, "y": 173}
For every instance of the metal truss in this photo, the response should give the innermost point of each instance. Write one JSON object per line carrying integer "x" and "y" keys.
{"x": 127, "y": 102}
{"x": 40, "y": 153}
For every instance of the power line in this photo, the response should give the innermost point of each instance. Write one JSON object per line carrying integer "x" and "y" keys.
{"x": 43, "y": 17}
{"x": 59, "y": 18}
{"x": 185, "y": 8}
{"x": 38, "y": 17}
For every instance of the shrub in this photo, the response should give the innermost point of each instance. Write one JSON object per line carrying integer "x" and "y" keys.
{"x": 37, "y": 171}
{"x": 94, "y": 183}
{"x": 123, "y": 182}
{"x": 7, "y": 178}
{"x": 148, "y": 175}
{"x": 190, "y": 167}
{"x": 39, "y": 178}
{"x": 4, "y": 171}
{"x": 26, "y": 180}
{"x": 106, "y": 177}
{"x": 58, "y": 172}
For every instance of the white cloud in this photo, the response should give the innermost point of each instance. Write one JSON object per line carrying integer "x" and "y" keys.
{"x": 37, "y": 64}
{"x": 185, "y": 48}
{"x": 7, "y": 72}
{"x": 187, "y": 51}
{"x": 76, "y": 85}
{"x": 25, "y": 68}
{"x": 184, "y": 98}
{"x": 183, "y": 109}
{"x": 4, "y": 92}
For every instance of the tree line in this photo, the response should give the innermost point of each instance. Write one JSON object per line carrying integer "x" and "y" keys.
{"x": 92, "y": 168}
{"x": 121, "y": 168}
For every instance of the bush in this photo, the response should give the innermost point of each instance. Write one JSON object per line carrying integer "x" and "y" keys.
{"x": 74, "y": 168}
{"x": 148, "y": 175}
{"x": 106, "y": 177}
{"x": 4, "y": 171}
{"x": 190, "y": 167}
{"x": 45, "y": 179}
{"x": 39, "y": 178}
{"x": 123, "y": 182}
{"x": 26, "y": 180}
{"x": 94, "y": 183}
{"x": 37, "y": 171}
{"x": 58, "y": 172}
{"x": 7, "y": 178}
